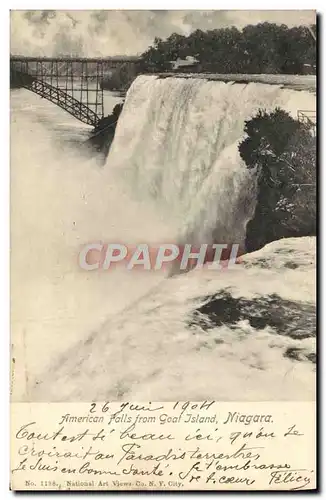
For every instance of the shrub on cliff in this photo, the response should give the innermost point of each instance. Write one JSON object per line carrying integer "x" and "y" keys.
{"x": 282, "y": 150}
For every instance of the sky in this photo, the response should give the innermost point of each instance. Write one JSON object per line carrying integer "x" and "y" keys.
{"x": 122, "y": 32}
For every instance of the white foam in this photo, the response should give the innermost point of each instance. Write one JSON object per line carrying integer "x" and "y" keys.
{"x": 173, "y": 171}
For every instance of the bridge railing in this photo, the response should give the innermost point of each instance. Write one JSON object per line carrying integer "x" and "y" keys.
{"x": 308, "y": 117}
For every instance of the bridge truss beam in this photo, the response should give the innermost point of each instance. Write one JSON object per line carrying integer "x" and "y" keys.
{"x": 74, "y": 84}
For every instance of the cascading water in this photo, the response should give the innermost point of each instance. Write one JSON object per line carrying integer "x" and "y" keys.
{"x": 173, "y": 175}
{"x": 176, "y": 145}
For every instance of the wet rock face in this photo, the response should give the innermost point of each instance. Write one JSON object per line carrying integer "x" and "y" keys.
{"x": 296, "y": 320}
{"x": 300, "y": 354}
{"x": 102, "y": 136}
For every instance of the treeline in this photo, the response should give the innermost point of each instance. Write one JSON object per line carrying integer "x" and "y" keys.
{"x": 261, "y": 48}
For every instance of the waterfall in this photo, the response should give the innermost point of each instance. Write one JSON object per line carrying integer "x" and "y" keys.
{"x": 176, "y": 147}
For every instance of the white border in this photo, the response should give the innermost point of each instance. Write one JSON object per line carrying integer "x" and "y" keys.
{"x": 4, "y": 171}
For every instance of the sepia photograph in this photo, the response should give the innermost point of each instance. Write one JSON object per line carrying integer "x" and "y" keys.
{"x": 163, "y": 228}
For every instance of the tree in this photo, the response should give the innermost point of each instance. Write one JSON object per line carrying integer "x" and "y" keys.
{"x": 261, "y": 48}
{"x": 282, "y": 151}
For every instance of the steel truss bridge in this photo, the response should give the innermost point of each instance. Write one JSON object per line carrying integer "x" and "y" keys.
{"x": 73, "y": 84}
